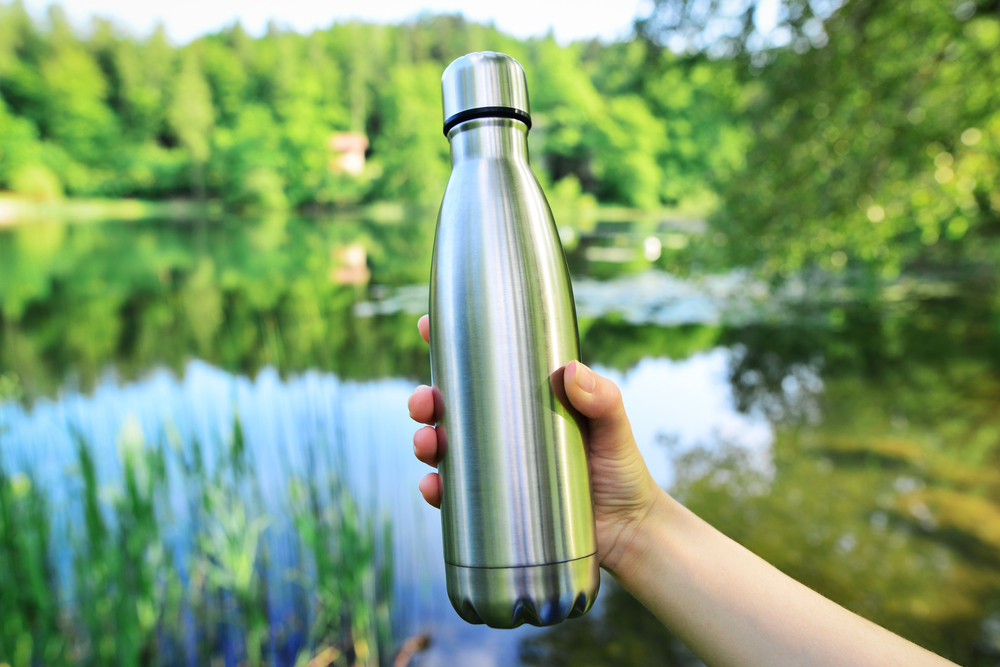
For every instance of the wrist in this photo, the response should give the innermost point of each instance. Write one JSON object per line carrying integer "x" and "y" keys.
{"x": 637, "y": 534}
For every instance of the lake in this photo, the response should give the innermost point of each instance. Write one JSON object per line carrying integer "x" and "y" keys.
{"x": 207, "y": 456}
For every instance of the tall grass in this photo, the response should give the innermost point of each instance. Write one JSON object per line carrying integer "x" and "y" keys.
{"x": 122, "y": 573}
{"x": 143, "y": 586}
{"x": 30, "y": 625}
{"x": 352, "y": 579}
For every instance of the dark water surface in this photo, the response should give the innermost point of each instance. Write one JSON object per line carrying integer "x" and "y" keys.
{"x": 227, "y": 400}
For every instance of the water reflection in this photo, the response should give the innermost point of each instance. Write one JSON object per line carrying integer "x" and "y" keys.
{"x": 254, "y": 473}
{"x": 308, "y": 427}
{"x": 881, "y": 488}
{"x": 651, "y": 297}
{"x": 624, "y": 633}
{"x": 676, "y": 406}
{"x": 847, "y": 434}
{"x": 239, "y": 294}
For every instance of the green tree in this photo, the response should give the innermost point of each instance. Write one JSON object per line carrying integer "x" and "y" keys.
{"x": 874, "y": 137}
{"x": 413, "y": 153}
{"x": 118, "y": 116}
{"x": 192, "y": 117}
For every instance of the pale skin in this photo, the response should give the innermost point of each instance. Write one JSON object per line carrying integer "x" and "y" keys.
{"x": 727, "y": 605}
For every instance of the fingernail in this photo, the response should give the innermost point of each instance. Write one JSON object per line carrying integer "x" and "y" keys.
{"x": 585, "y": 378}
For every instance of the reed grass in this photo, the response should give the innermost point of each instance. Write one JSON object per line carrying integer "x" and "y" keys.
{"x": 351, "y": 583}
{"x": 134, "y": 594}
{"x": 30, "y": 624}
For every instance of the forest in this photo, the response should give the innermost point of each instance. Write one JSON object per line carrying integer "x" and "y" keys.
{"x": 863, "y": 137}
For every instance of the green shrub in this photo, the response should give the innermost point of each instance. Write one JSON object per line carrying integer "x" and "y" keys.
{"x": 37, "y": 181}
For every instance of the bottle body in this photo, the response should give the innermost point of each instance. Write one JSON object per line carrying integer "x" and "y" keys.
{"x": 516, "y": 511}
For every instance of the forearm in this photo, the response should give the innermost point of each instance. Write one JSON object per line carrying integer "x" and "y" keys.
{"x": 732, "y": 608}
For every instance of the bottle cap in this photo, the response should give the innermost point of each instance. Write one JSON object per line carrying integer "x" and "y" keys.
{"x": 484, "y": 85}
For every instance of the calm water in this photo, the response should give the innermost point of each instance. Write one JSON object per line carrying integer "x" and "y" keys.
{"x": 848, "y": 435}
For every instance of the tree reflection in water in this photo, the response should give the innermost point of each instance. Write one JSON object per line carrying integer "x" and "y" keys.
{"x": 623, "y": 632}
{"x": 882, "y": 490}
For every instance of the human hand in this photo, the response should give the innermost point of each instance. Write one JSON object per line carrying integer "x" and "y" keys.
{"x": 623, "y": 490}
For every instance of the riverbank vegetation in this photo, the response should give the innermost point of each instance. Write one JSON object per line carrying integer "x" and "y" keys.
{"x": 853, "y": 137}
{"x": 169, "y": 562}
{"x": 249, "y": 120}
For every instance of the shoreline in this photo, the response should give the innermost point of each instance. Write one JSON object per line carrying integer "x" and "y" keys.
{"x": 18, "y": 210}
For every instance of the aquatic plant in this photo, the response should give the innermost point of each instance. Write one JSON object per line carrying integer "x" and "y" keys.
{"x": 122, "y": 570}
{"x": 133, "y": 592}
{"x": 351, "y": 576}
{"x": 30, "y": 627}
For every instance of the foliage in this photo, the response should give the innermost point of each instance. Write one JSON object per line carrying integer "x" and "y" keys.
{"x": 31, "y": 627}
{"x": 229, "y": 550}
{"x": 352, "y": 585}
{"x": 840, "y": 136}
{"x": 122, "y": 585}
{"x": 36, "y": 181}
{"x": 128, "y": 599}
{"x": 190, "y": 116}
{"x": 247, "y": 120}
{"x": 729, "y": 28}
{"x": 875, "y": 143}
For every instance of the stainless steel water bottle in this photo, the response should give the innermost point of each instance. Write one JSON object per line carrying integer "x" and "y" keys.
{"x": 517, "y": 513}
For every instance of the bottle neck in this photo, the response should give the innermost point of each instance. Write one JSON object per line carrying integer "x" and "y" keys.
{"x": 494, "y": 138}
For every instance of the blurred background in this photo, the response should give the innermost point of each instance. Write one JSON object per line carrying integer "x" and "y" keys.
{"x": 783, "y": 223}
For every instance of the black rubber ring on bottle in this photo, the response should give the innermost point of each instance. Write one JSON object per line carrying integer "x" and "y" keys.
{"x": 486, "y": 112}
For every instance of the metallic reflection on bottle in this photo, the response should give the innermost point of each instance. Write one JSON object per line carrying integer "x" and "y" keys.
{"x": 517, "y": 514}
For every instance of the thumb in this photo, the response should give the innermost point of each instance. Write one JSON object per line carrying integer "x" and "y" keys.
{"x": 600, "y": 400}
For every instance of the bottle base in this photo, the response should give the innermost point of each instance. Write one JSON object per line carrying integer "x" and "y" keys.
{"x": 541, "y": 595}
